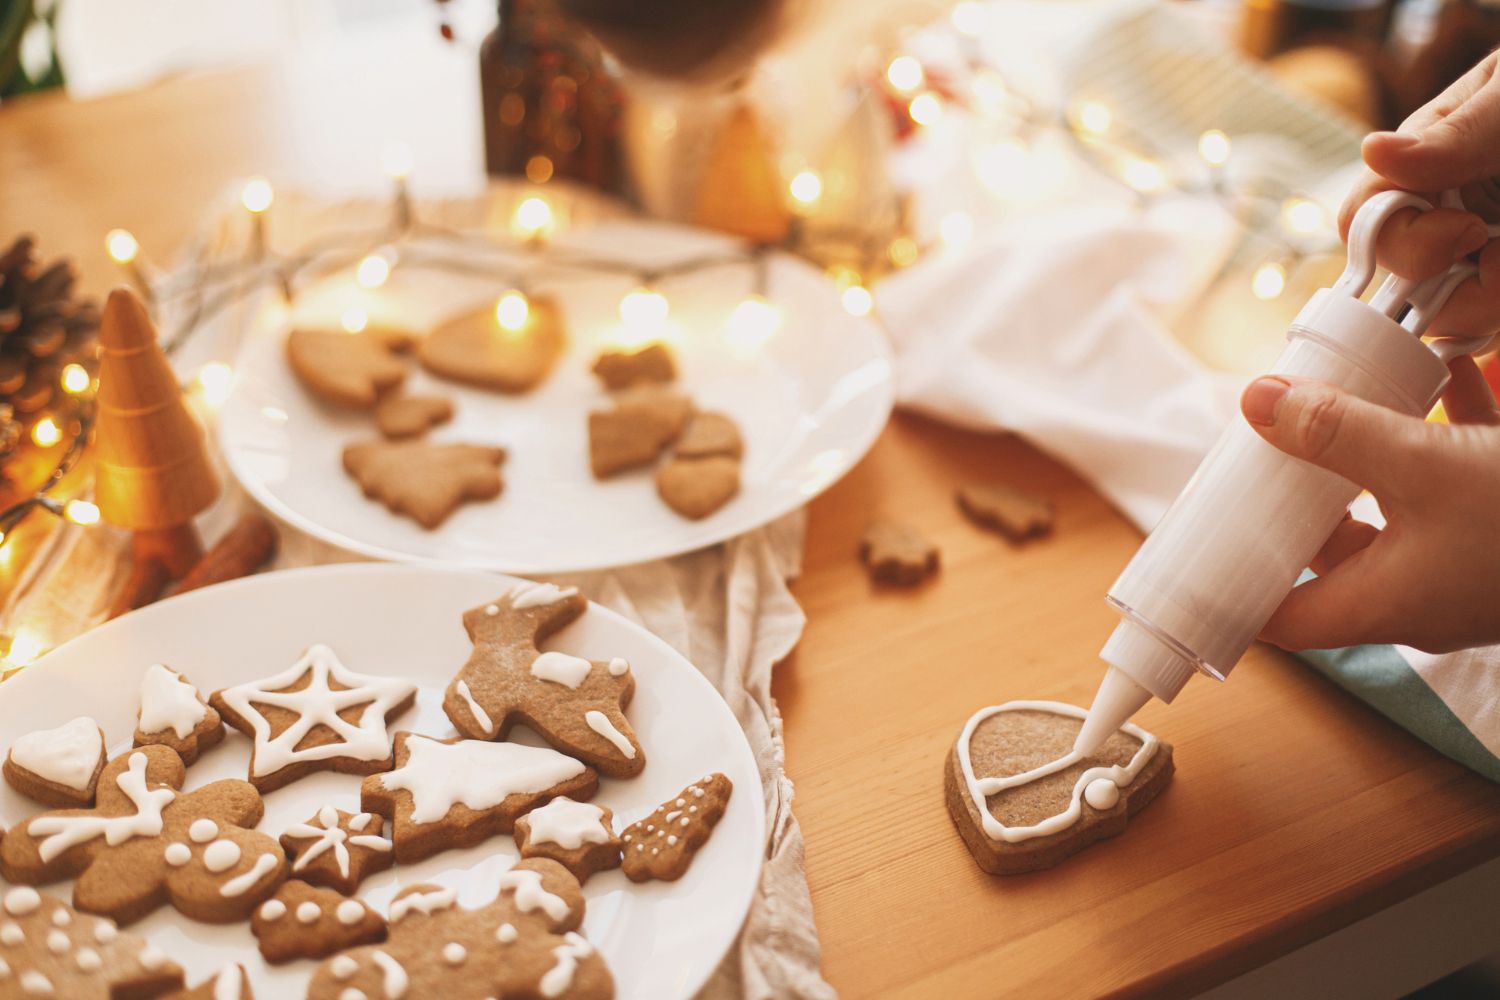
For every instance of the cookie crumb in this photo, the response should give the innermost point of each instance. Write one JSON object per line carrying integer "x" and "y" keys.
{"x": 897, "y": 554}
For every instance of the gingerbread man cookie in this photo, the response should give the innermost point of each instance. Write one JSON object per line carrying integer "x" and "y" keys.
{"x": 580, "y": 836}
{"x": 458, "y": 793}
{"x": 49, "y": 949}
{"x": 662, "y": 845}
{"x": 58, "y": 767}
{"x": 300, "y": 720}
{"x": 302, "y": 921}
{"x": 523, "y": 944}
{"x": 146, "y": 843}
{"x": 338, "y": 849}
{"x": 175, "y": 715}
{"x": 230, "y": 983}
{"x": 576, "y": 705}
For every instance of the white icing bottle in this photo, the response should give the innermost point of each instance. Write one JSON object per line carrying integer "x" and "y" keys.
{"x": 1233, "y": 544}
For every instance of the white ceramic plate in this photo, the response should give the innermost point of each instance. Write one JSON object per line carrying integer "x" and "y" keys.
{"x": 810, "y": 400}
{"x": 660, "y": 939}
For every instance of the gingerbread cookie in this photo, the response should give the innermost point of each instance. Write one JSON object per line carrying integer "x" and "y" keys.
{"x": 146, "y": 843}
{"x": 697, "y": 487}
{"x": 58, "y": 767}
{"x": 708, "y": 434}
{"x": 632, "y": 434}
{"x": 1024, "y": 800}
{"x": 338, "y": 849}
{"x": 402, "y": 416}
{"x": 423, "y": 480}
{"x": 475, "y": 349}
{"x": 577, "y": 835}
{"x": 458, "y": 793}
{"x": 302, "y": 719}
{"x": 576, "y": 705}
{"x": 302, "y": 921}
{"x": 230, "y": 983}
{"x": 662, "y": 845}
{"x": 346, "y": 369}
{"x": 622, "y": 369}
{"x": 1012, "y": 513}
{"x": 49, "y": 949}
{"x": 897, "y": 554}
{"x": 173, "y": 714}
{"x": 523, "y": 944}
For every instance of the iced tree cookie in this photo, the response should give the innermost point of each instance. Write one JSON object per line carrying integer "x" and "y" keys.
{"x": 474, "y": 348}
{"x": 1024, "y": 800}
{"x": 304, "y": 921}
{"x": 622, "y": 369}
{"x": 523, "y": 944}
{"x": 49, "y": 949}
{"x": 338, "y": 849}
{"x": 425, "y": 480}
{"x": 58, "y": 767}
{"x": 146, "y": 843}
{"x": 458, "y": 793}
{"x": 576, "y": 705}
{"x": 303, "y": 719}
{"x": 349, "y": 370}
{"x": 662, "y": 845}
{"x": 580, "y": 836}
{"x": 231, "y": 982}
{"x": 173, "y": 714}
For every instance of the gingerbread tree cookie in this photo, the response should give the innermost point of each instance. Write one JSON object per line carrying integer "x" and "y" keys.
{"x": 304, "y": 720}
{"x": 458, "y": 793}
{"x": 230, "y": 983}
{"x": 523, "y": 944}
{"x": 47, "y": 948}
{"x": 146, "y": 843}
{"x": 576, "y": 705}
{"x": 302, "y": 921}
{"x": 58, "y": 767}
{"x": 175, "y": 715}
{"x": 424, "y": 480}
{"x": 338, "y": 849}
{"x": 580, "y": 836}
{"x": 662, "y": 845}
{"x": 402, "y": 416}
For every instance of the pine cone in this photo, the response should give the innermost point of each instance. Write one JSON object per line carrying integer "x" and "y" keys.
{"x": 42, "y": 329}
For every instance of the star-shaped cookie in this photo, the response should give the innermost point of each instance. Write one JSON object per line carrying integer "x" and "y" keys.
{"x": 338, "y": 849}
{"x": 576, "y": 705}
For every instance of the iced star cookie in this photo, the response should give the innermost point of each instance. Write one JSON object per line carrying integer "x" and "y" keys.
{"x": 304, "y": 720}
{"x": 580, "y": 836}
{"x": 303, "y": 921}
{"x": 49, "y": 949}
{"x": 58, "y": 767}
{"x": 523, "y": 944}
{"x": 458, "y": 793}
{"x": 662, "y": 845}
{"x": 146, "y": 843}
{"x": 576, "y": 705}
{"x": 175, "y": 715}
{"x": 1024, "y": 800}
{"x": 338, "y": 849}
{"x": 230, "y": 983}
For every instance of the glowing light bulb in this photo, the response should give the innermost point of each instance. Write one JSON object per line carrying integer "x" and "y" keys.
{"x": 25, "y": 646}
{"x": 533, "y": 218}
{"x": 967, "y": 18}
{"x": 807, "y": 188}
{"x": 373, "y": 270}
{"x": 215, "y": 379}
{"x": 905, "y": 74}
{"x": 956, "y": 229}
{"x": 903, "y": 251}
{"x": 1214, "y": 147}
{"x": 75, "y": 379}
{"x": 1303, "y": 216}
{"x": 396, "y": 160}
{"x": 644, "y": 307}
{"x": 81, "y": 512}
{"x": 925, "y": 109}
{"x": 46, "y": 433}
{"x": 754, "y": 321}
{"x": 121, "y": 246}
{"x": 1268, "y": 282}
{"x": 354, "y": 319}
{"x": 257, "y": 195}
{"x": 511, "y": 311}
{"x": 857, "y": 300}
{"x": 1093, "y": 117}
{"x": 1143, "y": 175}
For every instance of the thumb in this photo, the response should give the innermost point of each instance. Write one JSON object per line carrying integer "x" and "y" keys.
{"x": 1367, "y": 444}
{"x": 1461, "y": 147}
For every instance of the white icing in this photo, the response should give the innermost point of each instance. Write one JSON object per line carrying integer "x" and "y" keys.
{"x": 599, "y": 723}
{"x": 454, "y": 953}
{"x": 61, "y": 917}
{"x": 476, "y": 773}
{"x": 151, "y": 957}
{"x": 680, "y": 803}
{"x": 980, "y": 789}
{"x": 343, "y": 967}
{"x": 221, "y": 855}
{"x": 169, "y": 702}
{"x": 328, "y": 835}
{"x": 506, "y": 933}
{"x": 36, "y": 984}
{"x": 308, "y": 912}
{"x": 22, "y": 900}
{"x": 423, "y": 902}
{"x": 527, "y": 887}
{"x": 561, "y": 668}
{"x": 359, "y": 821}
{"x": 492, "y": 609}
{"x": 57, "y": 941}
{"x": 272, "y": 909}
{"x": 1101, "y": 794}
{"x": 394, "y": 980}
{"x": 672, "y": 840}
{"x": 203, "y": 830}
{"x": 11, "y": 933}
{"x": 4, "y": 969}
{"x": 617, "y": 667}
{"x": 669, "y": 817}
{"x": 68, "y": 755}
{"x": 567, "y": 824}
{"x": 88, "y": 960}
{"x": 105, "y": 931}
{"x": 684, "y": 821}
{"x": 349, "y": 912}
{"x": 371, "y": 841}
{"x": 240, "y": 884}
{"x": 476, "y": 711}
{"x": 353, "y": 994}
{"x": 318, "y": 704}
{"x": 558, "y": 979}
{"x": 227, "y": 983}
{"x": 536, "y": 595}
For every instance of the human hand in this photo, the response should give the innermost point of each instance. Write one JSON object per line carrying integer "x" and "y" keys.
{"x": 1451, "y": 142}
{"x": 1431, "y": 577}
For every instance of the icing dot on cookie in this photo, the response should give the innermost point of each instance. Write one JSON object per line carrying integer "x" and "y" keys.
{"x": 343, "y": 967}
{"x": 697, "y": 792}
{"x": 221, "y": 855}
{"x": 655, "y": 850}
{"x": 11, "y": 933}
{"x": 692, "y": 809}
{"x": 649, "y": 827}
{"x": 672, "y": 840}
{"x": 627, "y": 838}
{"x": 21, "y": 901}
{"x": 505, "y": 933}
{"x": 454, "y": 953}
{"x": 61, "y": 918}
{"x": 88, "y": 960}
{"x": 680, "y": 803}
{"x": 685, "y": 821}
{"x": 618, "y": 666}
{"x": 178, "y": 854}
{"x": 353, "y": 994}
{"x": 492, "y": 609}
{"x": 640, "y": 847}
{"x": 105, "y": 931}
{"x": 36, "y": 984}
{"x": 1101, "y": 793}
{"x": 151, "y": 958}
{"x": 57, "y": 942}
{"x": 272, "y": 909}
{"x": 203, "y": 830}
{"x": 349, "y": 912}
{"x": 308, "y": 912}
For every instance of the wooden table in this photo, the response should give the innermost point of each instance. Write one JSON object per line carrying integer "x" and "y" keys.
{"x": 1294, "y": 811}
